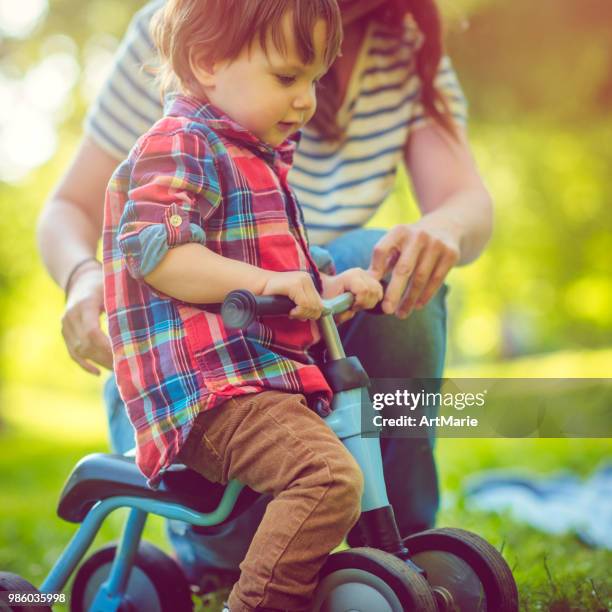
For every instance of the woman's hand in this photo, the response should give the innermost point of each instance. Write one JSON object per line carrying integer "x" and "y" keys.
{"x": 419, "y": 257}
{"x": 83, "y": 335}
{"x": 366, "y": 289}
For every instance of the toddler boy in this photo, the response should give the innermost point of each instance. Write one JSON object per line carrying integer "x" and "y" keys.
{"x": 202, "y": 207}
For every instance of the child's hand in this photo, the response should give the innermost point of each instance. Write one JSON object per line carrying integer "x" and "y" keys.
{"x": 297, "y": 286}
{"x": 366, "y": 289}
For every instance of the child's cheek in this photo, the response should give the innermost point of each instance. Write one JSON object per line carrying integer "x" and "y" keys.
{"x": 270, "y": 115}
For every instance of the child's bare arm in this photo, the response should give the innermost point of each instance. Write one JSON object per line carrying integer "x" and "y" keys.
{"x": 193, "y": 273}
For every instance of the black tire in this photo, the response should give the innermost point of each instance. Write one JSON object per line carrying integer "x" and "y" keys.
{"x": 368, "y": 580}
{"x": 12, "y": 582}
{"x": 156, "y": 582}
{"x": 453, "y": 558}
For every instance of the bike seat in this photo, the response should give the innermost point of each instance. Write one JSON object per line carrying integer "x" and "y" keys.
{"x": 99, "y": 476}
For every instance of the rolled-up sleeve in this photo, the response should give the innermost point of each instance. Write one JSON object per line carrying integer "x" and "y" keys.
{"x": 173, "y": 189}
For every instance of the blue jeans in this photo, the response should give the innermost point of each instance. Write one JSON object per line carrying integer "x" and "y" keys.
{"x": 388, "y": 348}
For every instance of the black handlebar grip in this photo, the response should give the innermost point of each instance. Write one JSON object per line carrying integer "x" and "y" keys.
{"x": 241, "y": 307}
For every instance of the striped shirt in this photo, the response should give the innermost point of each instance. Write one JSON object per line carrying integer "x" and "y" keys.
{"x": 339, "y": 185}
{"x": 197, "y": 176}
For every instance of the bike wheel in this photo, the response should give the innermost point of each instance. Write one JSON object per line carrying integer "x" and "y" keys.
{"x": 156, "y": 582}
{"x": 16, "y": 584}
{"x": 465, "y": 572}
{"x": 367, "y": 579}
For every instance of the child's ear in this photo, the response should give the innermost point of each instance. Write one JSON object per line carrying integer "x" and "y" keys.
{"x": 202, "y": 68}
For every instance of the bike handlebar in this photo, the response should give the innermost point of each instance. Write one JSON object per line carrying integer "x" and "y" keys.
{"x": 240, "y": 308}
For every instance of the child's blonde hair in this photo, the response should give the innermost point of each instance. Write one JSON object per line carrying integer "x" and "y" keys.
{"x": 225, "y": 27}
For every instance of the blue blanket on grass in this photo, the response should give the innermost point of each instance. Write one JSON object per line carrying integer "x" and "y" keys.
{"x": 555, "y": 504}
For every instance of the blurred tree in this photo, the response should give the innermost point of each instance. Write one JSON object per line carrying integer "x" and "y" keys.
{"x": 87, "y": 31}
{"x": 551, "y": 60}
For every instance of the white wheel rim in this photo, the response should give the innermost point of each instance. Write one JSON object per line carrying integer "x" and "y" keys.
{"x": 355, "y": 590}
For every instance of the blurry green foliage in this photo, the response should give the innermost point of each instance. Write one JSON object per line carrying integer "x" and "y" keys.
{"x": 550, "y": 60}
{"x": 545, "y": 277}
{"x": 539, "y": 81}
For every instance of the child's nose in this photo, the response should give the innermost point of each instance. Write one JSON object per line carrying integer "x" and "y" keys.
{"x": 305, "y": 101}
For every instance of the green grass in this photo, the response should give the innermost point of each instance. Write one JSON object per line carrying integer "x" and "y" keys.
{"x": 46, "y": 432}
{"x": 553, "y": 573}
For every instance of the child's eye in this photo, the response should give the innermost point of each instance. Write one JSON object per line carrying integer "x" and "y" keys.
{"x": 285, "y": 79}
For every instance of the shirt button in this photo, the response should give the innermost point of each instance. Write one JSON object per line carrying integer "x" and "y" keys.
{"x": 175, "y": 220}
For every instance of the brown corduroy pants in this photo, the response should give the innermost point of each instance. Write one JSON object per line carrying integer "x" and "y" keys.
{"x": 274, "y": 443}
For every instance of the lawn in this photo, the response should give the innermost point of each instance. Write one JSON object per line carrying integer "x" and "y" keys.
{"x": 47, "y": 431}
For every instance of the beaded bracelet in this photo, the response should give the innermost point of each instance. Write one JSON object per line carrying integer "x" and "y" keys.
{"x": 74, "y": 270}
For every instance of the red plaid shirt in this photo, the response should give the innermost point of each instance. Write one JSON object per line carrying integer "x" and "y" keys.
{"x": 197, "y": 176}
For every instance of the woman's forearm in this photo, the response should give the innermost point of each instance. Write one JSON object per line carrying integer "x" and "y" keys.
{"x": 468, "y": 217}
{"x": 66, "y": 235}
{"x": 449, "y": 189}
{"x": 70, "y": 224}
{"x": 195, "y": 274}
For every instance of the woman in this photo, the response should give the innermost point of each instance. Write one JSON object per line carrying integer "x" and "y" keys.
{"x": 390, "y": 96}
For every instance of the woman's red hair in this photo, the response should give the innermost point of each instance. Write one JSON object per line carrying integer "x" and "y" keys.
{"x": 427, "y": 18}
